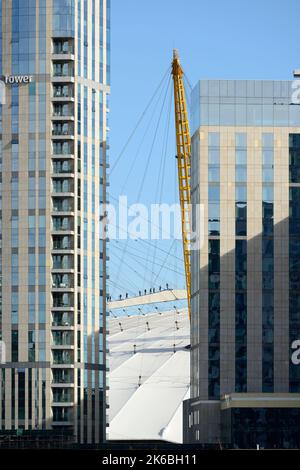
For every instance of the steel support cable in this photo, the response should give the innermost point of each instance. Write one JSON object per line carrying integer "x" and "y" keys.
{"x": 130, "y": 281}
{"x": 141, "y": 143}
{"x": 166, "y": 260}
{"x": 147, "y": 165}
{"x": 130, "y": 267}
{"x": 148, "y": 162}
{"x": 117, "y": 285}
{"x": 161, "y": 265}
{"x": 141, "y": 251}
{"x": 141, "y": 217}
{"x": 163, "y": 162}
{"x": 159, "y": 248}
{"x": 136, "y": 272}
{"x": 143, "y": 240}
{"x": 139, "y": 121}
{"x": 153, "y": 141}
{"x": 149, "y": 155}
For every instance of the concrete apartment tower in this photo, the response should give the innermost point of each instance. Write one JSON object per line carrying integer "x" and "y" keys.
{"x": 54, "y": 61}
{"x": 245, "y": 327}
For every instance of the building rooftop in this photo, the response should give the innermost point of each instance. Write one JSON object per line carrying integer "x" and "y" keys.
{"x": 245, "y": 103}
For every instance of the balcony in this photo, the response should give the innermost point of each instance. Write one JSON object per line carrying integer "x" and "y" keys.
{"x": 62, "y": 376}
{"x": 62, "y": 357}
{"x": 63, "y": 205}
{"x": 63, "y": 68}
{"x": 63, "y": 111}
{"x": 63, "y": 92}
{"x": 62, "y": 338}
{"x": 62, "y": 319}
{"x": 63, "y": 129}
{"x": 63, "y": 300}
{"x": 62, "y": 224}
{"x": 63, "y": 46}
{"x": 63, "y": 148}
{"x": 62, "y": 395}
{"x": 62, "y": 416}
{"x": 62, "y": 186}
{"x": 62, "y": 243}
{"x": 62, "y": 167}
{"x": 64, "y": 262}
{"x": 63, "y": 281}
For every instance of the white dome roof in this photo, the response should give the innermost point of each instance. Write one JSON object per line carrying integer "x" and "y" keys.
{"x": 147, "y": 388}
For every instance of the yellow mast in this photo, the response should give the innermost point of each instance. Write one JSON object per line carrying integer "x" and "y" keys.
{"x": 183, "y": 141}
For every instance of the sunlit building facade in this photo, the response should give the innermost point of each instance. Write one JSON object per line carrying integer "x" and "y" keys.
{"x": 245, "y": 326}
{"x": 54, "y": 60}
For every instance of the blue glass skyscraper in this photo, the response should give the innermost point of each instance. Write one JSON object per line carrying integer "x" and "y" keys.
{"x": 54, "y": 57}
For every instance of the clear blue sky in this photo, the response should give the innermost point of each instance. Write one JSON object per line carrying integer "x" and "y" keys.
{"x": 216, "y": 39}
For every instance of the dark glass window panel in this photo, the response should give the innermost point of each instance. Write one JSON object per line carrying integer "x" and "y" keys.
{"x": 267, "y": 247}
{"x": 214, "y": 264}
{"x": 294, "y": 155}
{"x": 294, "y": 227}
{"x": 294, "y": 332}
{"x": 241, "y": 264}
{"x": 214, "y": 353}
{"x": 294, "y": 317}
{"x": 214, "y": 318}
{"x": 294, "y": 140}
{"x": 294, "y": 280}
{"x": 268, "y": 210}
{"x": 268, "y": 336}
{"x": 240, "y": 281}
{"x": 294, "y": 301}
{"x": 214, "y": 247}
{"x": 294, "y": 263}
{"x": 294, "y": 246}
{"x": 214, "y": 335}
{"x": 240, "y": 334}
{"x": 294, "y": 210}
{"x": 241, "y": 211}
{"x": 268, "y": 317}
{"x": 294, "y": 175}
{"x": 268, "y": 227}
{"x": 267, "y": 300}
{"x": 241, "y": 227}
{"x": 268, "y": 264}
{"x": 214, "y": 370}
{"x": 241, "y": 319}
{"x": 295, "y": 195}
{"x": 241, "y": 301}
{"x": 214, "y": 280}
{"x": 267, "y": 280}
{"x": 214, "y": 301}
{"x": 214, "y": 389}
{"x": 241, "y": 248}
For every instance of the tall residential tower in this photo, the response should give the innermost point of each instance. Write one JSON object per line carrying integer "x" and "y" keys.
{"x": 54, "y": 61}
{"x": 245, "y": 328}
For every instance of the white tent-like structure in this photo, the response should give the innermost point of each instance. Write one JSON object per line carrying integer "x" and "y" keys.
{"x": 149, "y": 375}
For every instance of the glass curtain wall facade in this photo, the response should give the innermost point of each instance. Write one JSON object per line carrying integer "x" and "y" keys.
{"x": 245, "y": 282}
{"x": 54, "y": 148}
